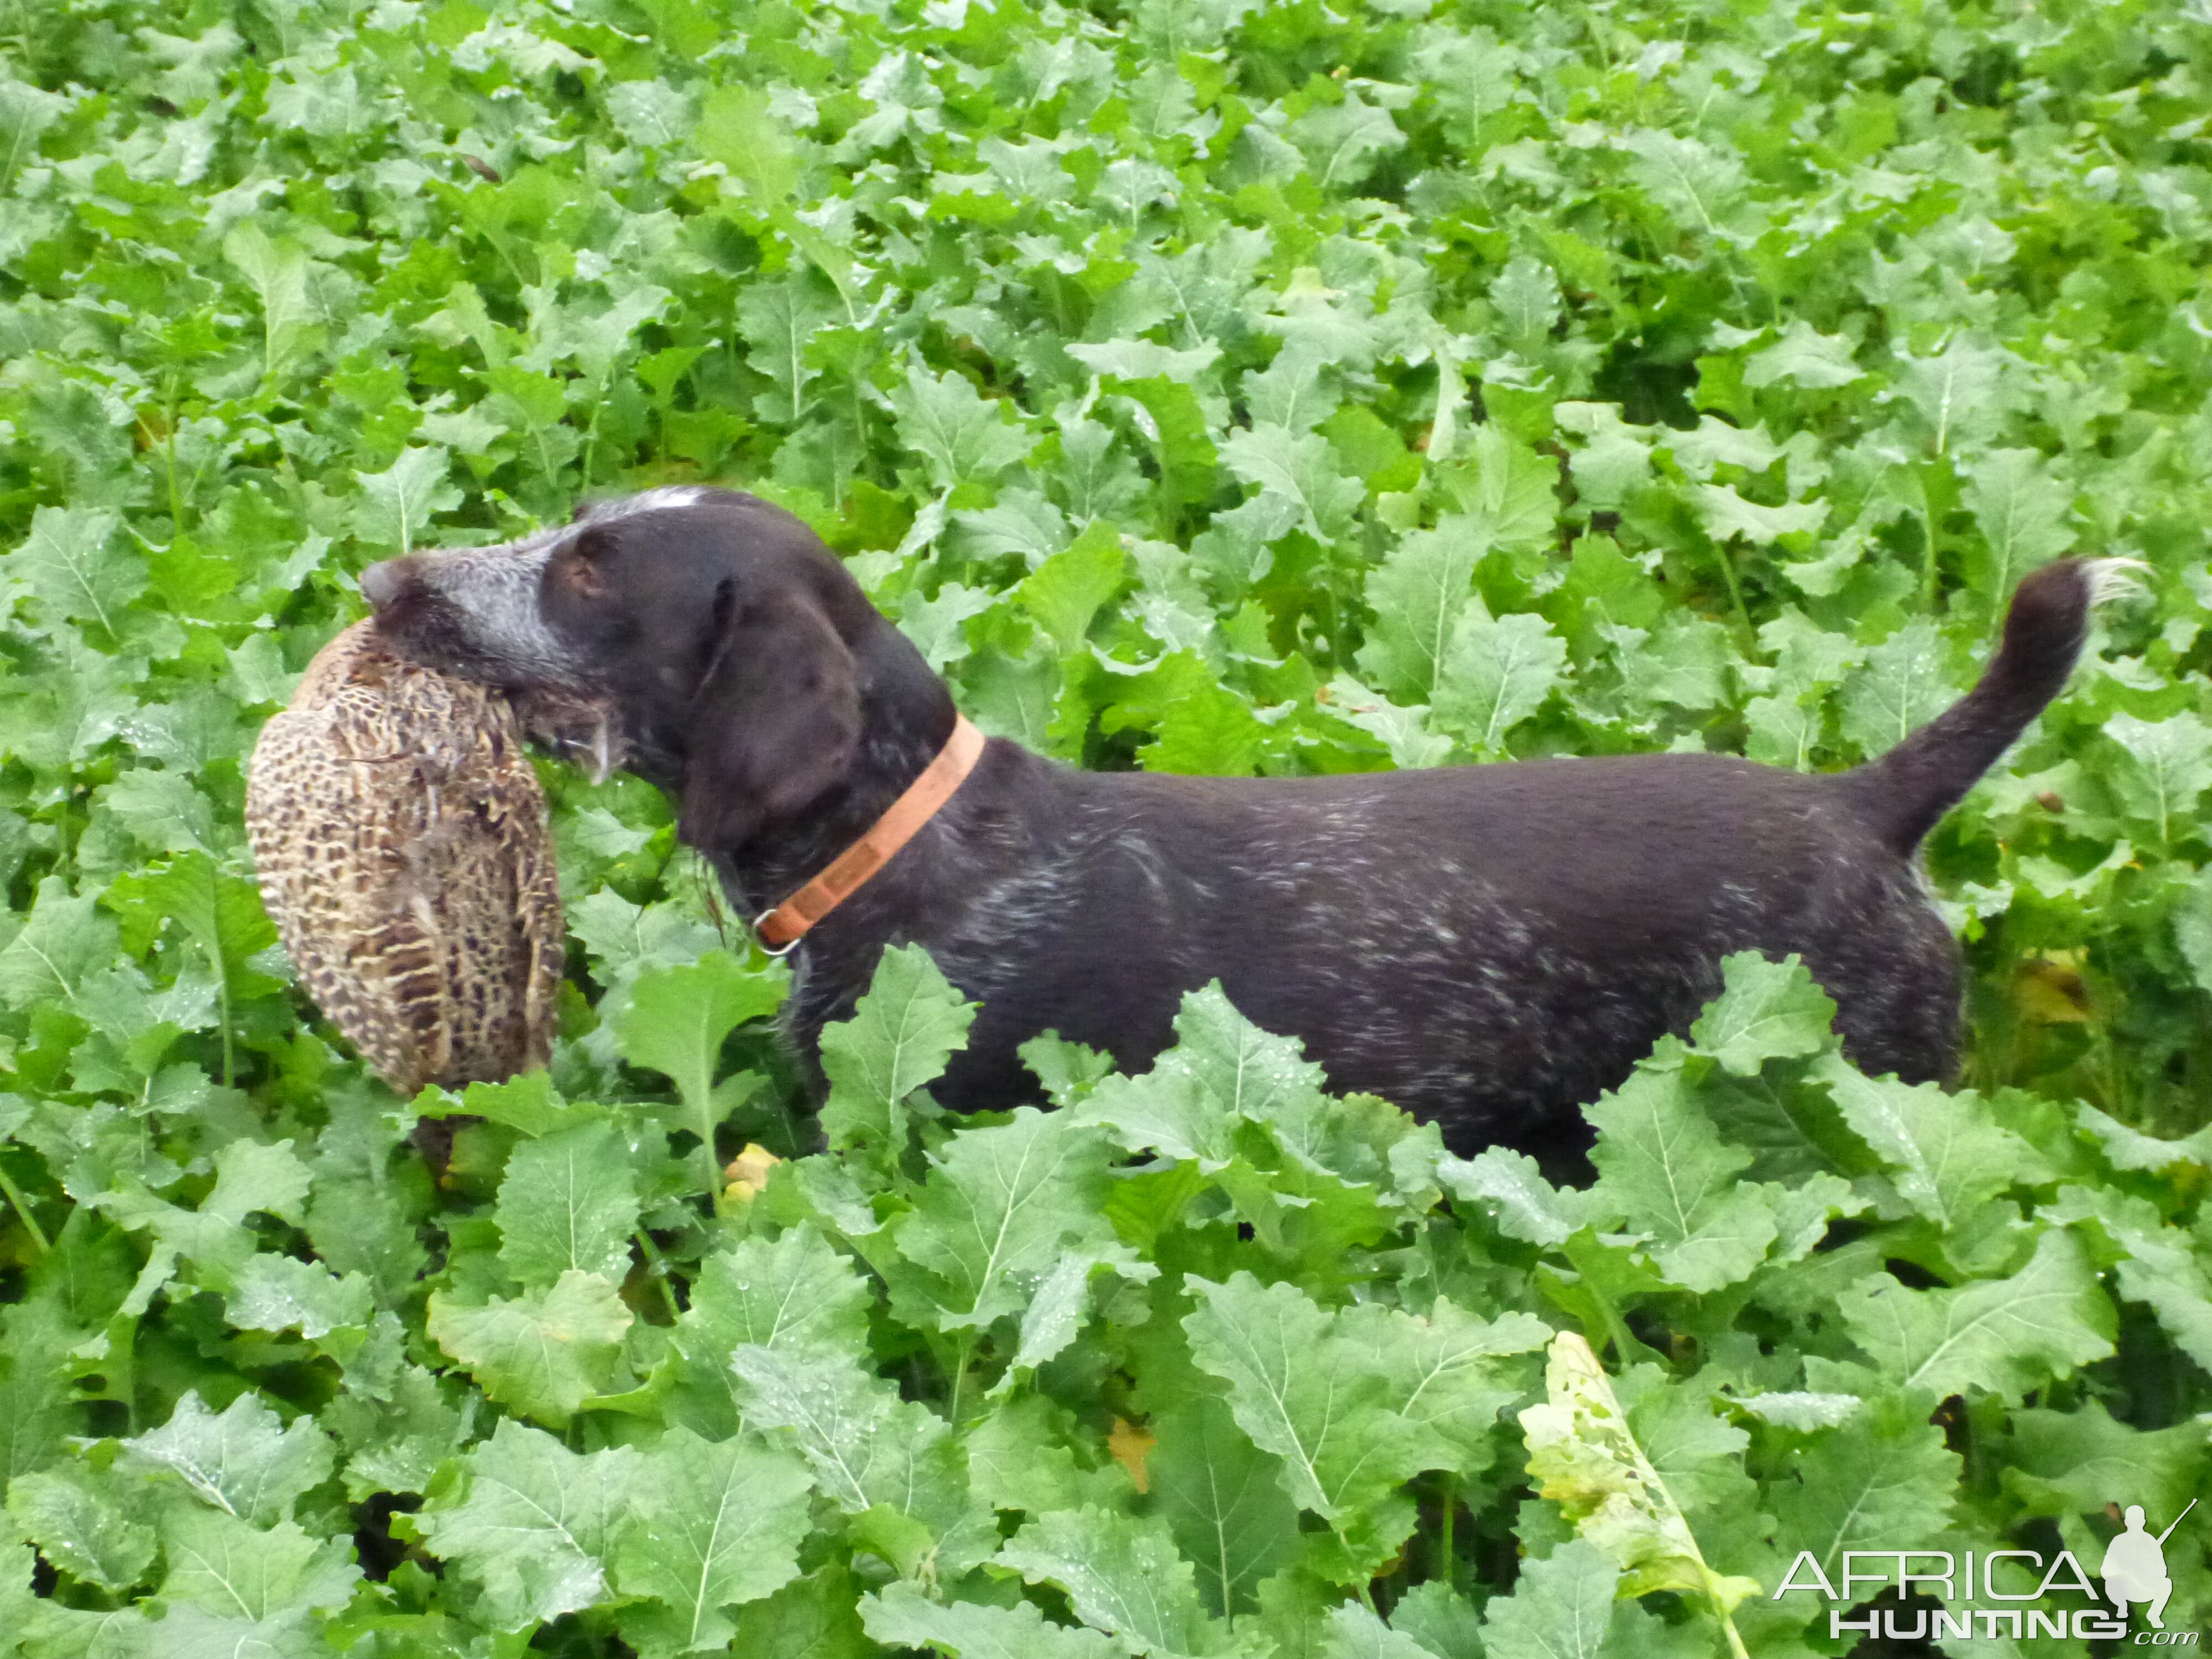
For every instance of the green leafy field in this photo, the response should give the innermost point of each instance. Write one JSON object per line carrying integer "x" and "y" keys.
{"x": 1204, "y": 386}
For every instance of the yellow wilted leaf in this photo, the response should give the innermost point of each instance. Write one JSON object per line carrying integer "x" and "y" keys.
{"x": 1131, "y": 1444}
{"x": 1585, "y": 1459}
{"x": 2050, "y": 991}
{"x": 747, "y": 1173}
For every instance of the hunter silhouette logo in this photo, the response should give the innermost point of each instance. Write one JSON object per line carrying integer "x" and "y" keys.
{"x": 1942, "y": 1594}
{"x": 2135, "y": 1567}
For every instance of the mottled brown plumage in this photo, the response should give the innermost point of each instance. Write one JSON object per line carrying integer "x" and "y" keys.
{"x": 404, "y": 852}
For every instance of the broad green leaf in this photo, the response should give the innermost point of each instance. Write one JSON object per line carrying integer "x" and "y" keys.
{"x": 1562, "y": 1607}
{"x": 2172, "y": 766}
{"x": 1664, "y": 1167}
{"x": 1727, "y": 514}
{"x": 64, "y": 938}
{"x": 811, "y": 1618}
{"x": 81, "y": 1524}
{"x": 398, "y": 1441}
{"x": 901, "y": 1616}
{"x": 1222, "y": 1068}
{"x": 998, "y": 1207}
{"x": 1403, "y": 732}
{"x": 251, "y": 1176}
{"x": 2124, "y": 1148}
{"x": 25, "y": 112}
{"x": 1354, "y": 1632}
{"x": 74, "y": 569}
{"x": 852, "y": 1429}
{"x": 1683, "y": 664}
{"x": 1903, "y": 686}
{"x": 1066, "y": 592}
{"x": 1509, "y": 497}
{"x": 1316, "y": 1393}
{"x": 1443, "y": 1621}
{"x": 1141, "y": 360}
{"x": 238, "y": 1460}
{"x": 1614, "y": 458}
{"x": 1946, "y": 1153}
{"x": 795, "y": 1295}
{"x": 649, "y": 112}
{"x": 568, "y": 1203}
{"x": 1418, "y": 593}
{"x": 1766, "y": 1011}
{"x": 1510, "y": 1187}
{"x": 1224, "y": 1500}
{"x": 2156, "y": 1264}
{"x": 1700, "y": 187}
{"x": 1209, "y": 733}
{"x": 397, "y": 504}
{"x": 281, "y": 1292}
{"x": 1443, "y": 1372}
{"x": 1882, "y": 1479}
{"x": 1055, "y": 1312}
{"x": 1954, "y": 391}
{"x": 1803, "y": 356}
{"x": 544, "y": 1353}
{"x": 2004, "y": 1336}
{"x": 708, "y": 1525}
{"x": 219, "y": 1563}
{"x": 2022, "y": 512}
{"x": 532, "y": 1522}
{"x": 1299, "y": 470}
{"x": 624, "y": 938}
{"x": 164, "y": 811}
{"x": 2077, "y": 1462}
{"x": 527, "y": 1104}
{"x": 1527, "y": 296}
{"x": 2192, "y": 928}
{"x": 777, "y": 319}
{"x": 1496, "y": 672}
{"x": 37, "y": 1394}
{"x": 1294, "y": 393}
{"x": 1122, "y": 1575}
{"x": 908, "y": 1024}
{"x": 675, "y": 1020}
{"x": 934, "y": 625}
{"x": 1341, "y": 142}
{"x": 739, "y": 127}
{"x": 958, "y": 434}
{"x": 1800, "y": 1409}
{"x": 277, "y": 274}
{"x": 219, "y": 912}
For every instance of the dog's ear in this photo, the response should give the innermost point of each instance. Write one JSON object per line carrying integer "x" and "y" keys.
{"x": 776, "y": 718}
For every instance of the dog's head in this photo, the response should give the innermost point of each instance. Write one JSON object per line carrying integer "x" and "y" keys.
{"x": 713, "y": 642}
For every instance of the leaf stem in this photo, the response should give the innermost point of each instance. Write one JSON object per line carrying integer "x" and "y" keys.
{"x": 707, "y": 1125}
{"x": 176, "y": 499}
{"x": 1450, "y": 1560}
{"x": 222, "y": 1013}
{"x": 1727, "y": 563}
{"x": 960, "y": 1377}
{"x": 656, "y": 1266}
{"x": 21, "y": 1206}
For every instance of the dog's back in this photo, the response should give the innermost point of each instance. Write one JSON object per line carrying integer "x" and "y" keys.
{"x": 1488, "y": 945}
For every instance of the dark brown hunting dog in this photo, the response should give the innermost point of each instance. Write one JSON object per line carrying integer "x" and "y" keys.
{"x": 1486, "y": 946}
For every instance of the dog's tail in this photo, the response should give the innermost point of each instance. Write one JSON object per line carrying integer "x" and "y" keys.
{"x": 1903, "y": 794}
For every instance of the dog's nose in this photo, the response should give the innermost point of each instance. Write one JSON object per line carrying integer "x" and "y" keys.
{"x": 381, "y": 582}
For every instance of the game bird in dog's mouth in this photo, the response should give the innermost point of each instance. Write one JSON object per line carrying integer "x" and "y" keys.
{"x": 1486, "y": 946}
